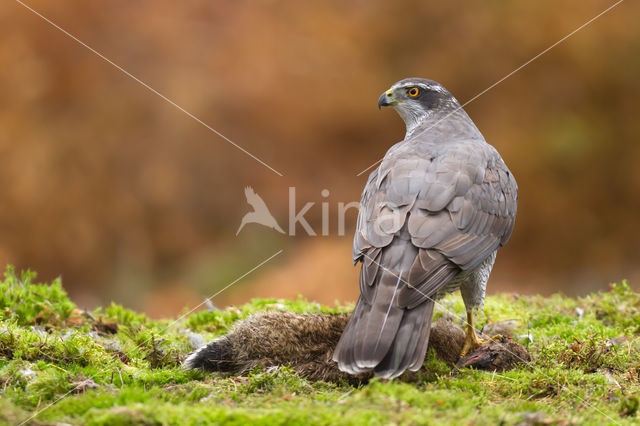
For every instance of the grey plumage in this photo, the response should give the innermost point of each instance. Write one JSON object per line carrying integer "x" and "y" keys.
{"x": 431, "y": 218}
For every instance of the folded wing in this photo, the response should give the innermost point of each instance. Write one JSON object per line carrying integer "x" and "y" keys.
{"x": 425, "y": 216}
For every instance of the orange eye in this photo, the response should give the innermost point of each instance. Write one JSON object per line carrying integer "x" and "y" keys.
{"x": 413, "y": 92}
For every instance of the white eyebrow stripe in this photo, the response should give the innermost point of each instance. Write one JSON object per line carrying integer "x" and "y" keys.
{"x": 434, "y": 87}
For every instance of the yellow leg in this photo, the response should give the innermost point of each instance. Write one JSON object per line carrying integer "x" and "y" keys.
{"x": 471, "y": 339}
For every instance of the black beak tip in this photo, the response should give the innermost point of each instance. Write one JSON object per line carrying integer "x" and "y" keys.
{"x": 383, "y": 100}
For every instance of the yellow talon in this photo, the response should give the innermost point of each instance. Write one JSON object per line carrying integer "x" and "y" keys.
{"x": 471, "y": 339}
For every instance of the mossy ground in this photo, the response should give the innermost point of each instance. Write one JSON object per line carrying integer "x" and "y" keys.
{"x": 116, "y": 366}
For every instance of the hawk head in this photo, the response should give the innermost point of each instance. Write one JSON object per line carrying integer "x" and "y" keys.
{"x": 415, "y": 99}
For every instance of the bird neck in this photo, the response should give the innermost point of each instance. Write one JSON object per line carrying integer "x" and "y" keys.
{"x": 448, "y": 119}
{"x": 415, "y": 116}
{"x": 412, "y": 117}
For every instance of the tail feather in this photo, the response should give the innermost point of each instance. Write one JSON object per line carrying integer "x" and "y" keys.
{"x": 410, "y": 344}
{"x": 376, "y": 332}
{"x": 383, "y": 337}
{"x": 343, "y": 353}
{"x": 423, "y": 340}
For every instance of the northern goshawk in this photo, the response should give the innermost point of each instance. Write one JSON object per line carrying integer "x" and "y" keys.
{"x": 431, "y": 219}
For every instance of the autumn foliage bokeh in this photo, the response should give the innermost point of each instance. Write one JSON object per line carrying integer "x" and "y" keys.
{"x": 127, "y": 198}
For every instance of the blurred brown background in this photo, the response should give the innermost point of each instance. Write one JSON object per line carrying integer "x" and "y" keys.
{"x": 128, "y": 199}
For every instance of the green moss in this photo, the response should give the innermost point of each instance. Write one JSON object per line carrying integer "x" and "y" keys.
{"x": 117, "y": 366}
{"x": 28, "y": 303}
